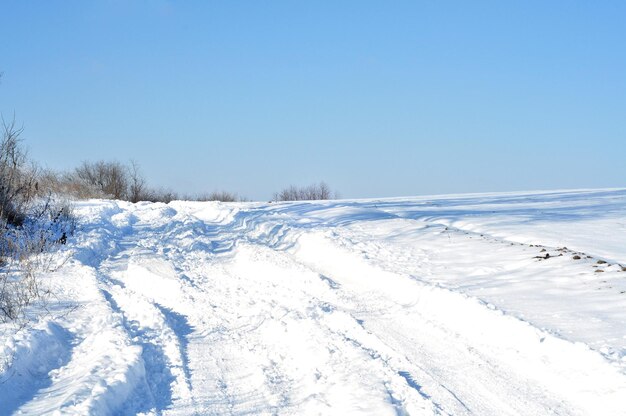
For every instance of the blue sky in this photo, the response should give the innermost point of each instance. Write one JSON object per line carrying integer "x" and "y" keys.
{"x": 376, "y": 98}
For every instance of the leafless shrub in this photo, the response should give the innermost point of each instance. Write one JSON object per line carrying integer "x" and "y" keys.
{"x": 30, "y": 226}
{"x": 17, "y": 291}
{"x": 160, "y": 195}
{"x": 98, "y": 180}
{"x": 66, "y": 184}
{"x": 312, "y": 192}
{"x": 110, "y": 178}
{"x": 222, "y": 196}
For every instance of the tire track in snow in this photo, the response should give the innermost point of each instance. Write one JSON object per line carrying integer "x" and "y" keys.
{"x": 160, "y": 331}
{"x": 319, "y": 309}
{"x": 273, "y": 237}
{"x": 247, "y": 266}
{"x": 163, "y": 299}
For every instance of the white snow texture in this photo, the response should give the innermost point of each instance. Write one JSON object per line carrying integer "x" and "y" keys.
{"x": 490, "y": 304}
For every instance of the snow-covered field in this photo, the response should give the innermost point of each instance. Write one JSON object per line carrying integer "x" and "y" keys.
{"x": 470, "y": 304}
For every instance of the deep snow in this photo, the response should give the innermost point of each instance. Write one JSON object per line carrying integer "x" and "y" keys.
{"x": 466, "y": 304}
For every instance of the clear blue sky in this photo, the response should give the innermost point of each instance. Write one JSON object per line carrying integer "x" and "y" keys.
{"x": 377, "y": 98}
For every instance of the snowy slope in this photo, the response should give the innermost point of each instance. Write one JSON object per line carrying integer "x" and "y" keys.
{"x": 471, "y": 304}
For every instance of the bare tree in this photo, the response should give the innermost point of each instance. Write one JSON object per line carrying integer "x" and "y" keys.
{"x": 17, "y": 180}
{"x": 323, "y": 191}
{"x": 137, "y": 187}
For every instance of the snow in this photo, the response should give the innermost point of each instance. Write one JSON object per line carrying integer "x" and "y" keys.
{"x": 420, "y": 306}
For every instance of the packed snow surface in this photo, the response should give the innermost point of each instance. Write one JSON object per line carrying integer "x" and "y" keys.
{"x": 493, "y": 304}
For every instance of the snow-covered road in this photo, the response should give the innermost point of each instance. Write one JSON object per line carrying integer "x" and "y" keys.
{"x": 456, "y": 305}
